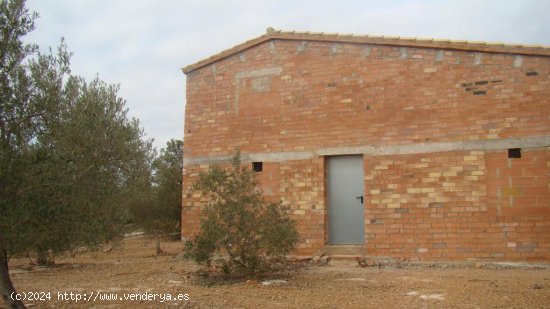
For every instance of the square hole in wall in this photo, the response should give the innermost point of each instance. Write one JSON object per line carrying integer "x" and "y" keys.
{"x": 257, "y": 166}
{"x": 514, "y": 153}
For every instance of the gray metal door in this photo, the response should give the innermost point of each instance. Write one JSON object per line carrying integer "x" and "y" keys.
{"x": 346, "y": 211}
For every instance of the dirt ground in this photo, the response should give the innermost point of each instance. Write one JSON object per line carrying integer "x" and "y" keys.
{"x": 133, "y": 271}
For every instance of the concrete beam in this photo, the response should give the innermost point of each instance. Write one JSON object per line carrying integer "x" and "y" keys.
{"x": 254, "y": 157}
{"x": 417, "y": 148}
{"x": 494, "y": 144}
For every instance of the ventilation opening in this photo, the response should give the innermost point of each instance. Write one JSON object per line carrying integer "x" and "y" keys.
{"x": 257, "y": 166}
{"x": 514, "y": 153}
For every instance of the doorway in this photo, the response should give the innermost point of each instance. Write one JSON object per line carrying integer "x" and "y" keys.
{"x": 346, "y": 211}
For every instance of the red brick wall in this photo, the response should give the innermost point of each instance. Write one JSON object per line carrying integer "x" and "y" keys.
{"x": 426, "y": 206}
{"x": 292, "y": 96}
{"x": 447, "y": 205}
{"x": 302, "y": 190}
{"x": 518, "y": 195}
{"x": 327, "y": 95}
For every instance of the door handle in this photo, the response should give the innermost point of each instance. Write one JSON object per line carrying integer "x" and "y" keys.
{"x": 361, "y": 198}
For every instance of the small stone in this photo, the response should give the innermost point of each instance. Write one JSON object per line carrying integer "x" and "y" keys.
{"x": 324, "y": 260}
{"x": 276, "y": 281}
{"x": 371, "y": 262}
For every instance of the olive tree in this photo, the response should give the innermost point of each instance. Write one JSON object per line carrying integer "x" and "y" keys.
{"x": 159, "y": 211}
{"x": 16, "y": 126}
{"x": 70, "y": 157}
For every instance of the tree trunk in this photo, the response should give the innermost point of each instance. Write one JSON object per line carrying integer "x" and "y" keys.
{"x": 6, "y": 286}
{"x": 159, "y": 250}
{"x": 43, "y": 258}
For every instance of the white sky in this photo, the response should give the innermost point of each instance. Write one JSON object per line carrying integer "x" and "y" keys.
{"x": 143, "y": 44}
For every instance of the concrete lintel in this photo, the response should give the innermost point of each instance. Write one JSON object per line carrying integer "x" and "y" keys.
{"x": 417, "y": 148}
{"x": 335, "y": 151}
{"x": 259, "y": 72}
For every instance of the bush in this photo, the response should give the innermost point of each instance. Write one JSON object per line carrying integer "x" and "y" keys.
{"x": 240, "y": 231}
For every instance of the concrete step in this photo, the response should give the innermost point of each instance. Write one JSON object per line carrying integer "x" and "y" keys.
{"x": 344, "y": 251}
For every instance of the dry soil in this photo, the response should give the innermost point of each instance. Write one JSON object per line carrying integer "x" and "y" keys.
{"x": 134, "y": 271}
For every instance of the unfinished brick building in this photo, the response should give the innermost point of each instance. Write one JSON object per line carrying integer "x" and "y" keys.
{"x": 402, "y": 147}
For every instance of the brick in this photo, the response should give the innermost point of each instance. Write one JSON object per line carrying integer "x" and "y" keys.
{"x": 435, "y": 205}
{"x": 524, "y": 250}
{"x": 512, "y": 191}
{"x": 529, "y": 245}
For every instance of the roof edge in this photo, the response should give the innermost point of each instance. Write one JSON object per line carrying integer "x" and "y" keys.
{"x": 471, "y": 46}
